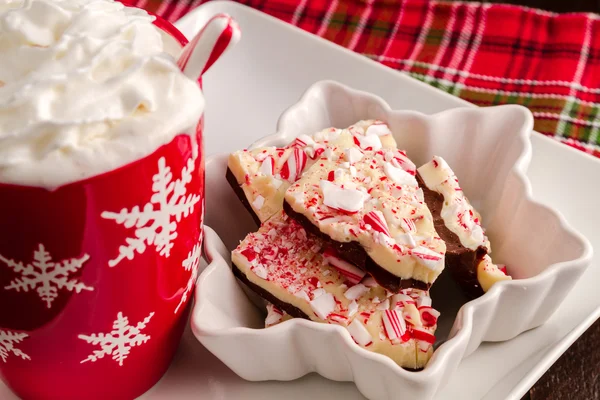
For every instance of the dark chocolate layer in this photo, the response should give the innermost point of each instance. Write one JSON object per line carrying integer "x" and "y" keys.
{"x": 241, "y": 195}
{"x": 354, "y": 253}
{"x": 460, "y": 261}
{"x": 288, "y": 308}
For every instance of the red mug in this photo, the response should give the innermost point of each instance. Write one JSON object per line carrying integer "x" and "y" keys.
{"x": 96, "y": 276}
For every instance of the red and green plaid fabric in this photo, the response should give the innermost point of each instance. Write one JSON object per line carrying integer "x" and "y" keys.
{"x": 485, "y": 53}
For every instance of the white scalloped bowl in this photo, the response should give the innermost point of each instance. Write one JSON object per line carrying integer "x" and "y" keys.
{"x": 489, "y": 150}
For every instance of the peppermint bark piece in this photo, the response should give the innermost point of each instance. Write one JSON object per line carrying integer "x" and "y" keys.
{"x": 459, "y": 225}
{"x": 261, "y": 176}
{"x": 368, "y": 205}
{"x": 282, "y": 264}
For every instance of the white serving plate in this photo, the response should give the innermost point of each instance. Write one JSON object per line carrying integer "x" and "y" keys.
{"x": 489, "y": 149}
{"x": 279, "y": 63}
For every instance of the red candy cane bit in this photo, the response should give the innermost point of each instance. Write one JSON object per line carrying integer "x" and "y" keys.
{"x": 318, "y": 153}
{"x": 422, "y": 334}
{"x": 377, "y": 222}
{"x": 502, "y": 268}
{"x": 353, "y": 274}
{"x": 394, "y": 325}
{"x": 249, "y": 253}
{"x": 331, "y": 176}
{"x": 338, "y": 318}
{"x": 435, "y": 164}
{"x": 294, "y": 165}
{"x": 425, "y": 256}
{"x": 299, "y": 143}
{"x": 408, "y": 224}
{"x": 429, "y": 316}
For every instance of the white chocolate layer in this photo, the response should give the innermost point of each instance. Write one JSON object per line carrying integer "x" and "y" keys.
{"x": 488, "y": 273}
{"x": 458, "y": 213}
{"x": 461, "y": 218}
{"x": 376, "y": 202}
{"x": 266, "y": 172}
{"x": 281, "y": 259}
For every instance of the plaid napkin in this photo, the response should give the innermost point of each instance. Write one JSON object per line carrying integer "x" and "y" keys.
{"x": 487, "y": 54}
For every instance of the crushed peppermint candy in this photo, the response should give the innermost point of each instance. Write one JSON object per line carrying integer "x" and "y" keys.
{"x": 428, "y": 258}
{"x": 303, "y": 295}
{"x": 353, "y": 155}
{"x": 267, "y": 167}
{"x": 351, "y": 272}
{"x": 352, "y": 308}
{"x": 406, "y": 239}
{"x": 274, "y": 315}
{"x": 356, "y": 291}
{"x": 258, "y": 202}
{"x": 424, "y": 301}
{"x": 359, "y": 333}
{"x": 369, "y": 282}
{"x": 294, "y": 165}
{"x": 379, "y": 129}
{"x": 384, "y": 305}
{"x": 395, "y": 327}
{"x": 260, "y": 271}
{"x": 398, "y": 175}
{"x": 423, "y": 334}
{"x": 377, "y": 207}
{"x": 376, "y": 220}
{"x": 323, "y": 305}
{"x": 371, "y": 142}
{"x": 339, "y": 198}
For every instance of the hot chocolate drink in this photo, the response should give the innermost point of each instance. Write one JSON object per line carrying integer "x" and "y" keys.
{"x": 86, "y": 86}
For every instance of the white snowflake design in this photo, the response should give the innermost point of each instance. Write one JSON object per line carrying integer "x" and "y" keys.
{"x": 46, "y": 275}
{"x": 191, "y": 263}
{"x": 7, "y": 344}
{"x": 119, "y": 341}
{"x": 156, "y": 223}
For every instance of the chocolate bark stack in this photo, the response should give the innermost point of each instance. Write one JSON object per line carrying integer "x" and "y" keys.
{"x": 361, "y": 238}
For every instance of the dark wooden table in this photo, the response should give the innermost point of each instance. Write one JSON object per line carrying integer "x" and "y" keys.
{"x": 576, "y": 375}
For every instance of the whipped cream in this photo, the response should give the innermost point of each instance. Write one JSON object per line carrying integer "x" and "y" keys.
{"x": 86, "y": 86}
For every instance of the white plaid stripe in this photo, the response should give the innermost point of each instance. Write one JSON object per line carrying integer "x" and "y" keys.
{"x": 325, "y": 23}
{"x": 298, "y": 12}
{"x": 393, "y": 34}
{"x": 466, "y": 31}
{"x": 444, "y": 44}
{"x": 474, "y": 49}
{"x": 361, "y": 25}
{"x": 489, "y": 78}
{"x": 589, "y": 147}
{"x": 528, "y": 9}
{"x": 496, "y": 92}
{"x": 593, "y": 139}
{"x": 424, "y": 33}
{"x": 566, "y": 118}
{"x": 583, "y": 57}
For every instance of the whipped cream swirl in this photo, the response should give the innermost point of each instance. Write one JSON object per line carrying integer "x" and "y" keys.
{"x": 86, "y": 86}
